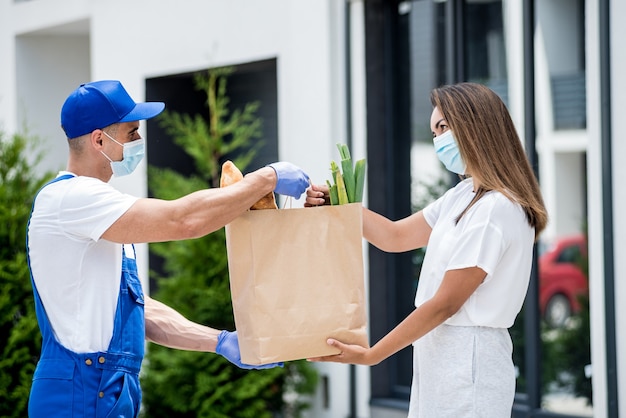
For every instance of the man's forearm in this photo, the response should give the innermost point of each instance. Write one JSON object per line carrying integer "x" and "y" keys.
{"x": 167, "y": 327}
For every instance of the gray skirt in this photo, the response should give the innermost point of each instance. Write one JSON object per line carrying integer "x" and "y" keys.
{"x": 463, "y": 372}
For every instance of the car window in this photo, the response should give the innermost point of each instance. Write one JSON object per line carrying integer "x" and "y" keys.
{"x": 569, "y": 254}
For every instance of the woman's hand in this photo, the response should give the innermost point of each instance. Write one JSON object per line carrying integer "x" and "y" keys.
{"x": 317, "y": 195}
{"x": 350, "y": 354}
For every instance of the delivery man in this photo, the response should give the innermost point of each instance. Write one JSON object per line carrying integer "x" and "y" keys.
{"x": 93, "y": 315}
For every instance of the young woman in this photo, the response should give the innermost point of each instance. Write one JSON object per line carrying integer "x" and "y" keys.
{"x": 475, "y": 274}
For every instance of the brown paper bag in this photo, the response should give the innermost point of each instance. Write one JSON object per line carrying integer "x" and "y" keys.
{"x": 296, "y": 278}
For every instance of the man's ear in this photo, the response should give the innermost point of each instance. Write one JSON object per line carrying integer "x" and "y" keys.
{"x": 96, "y": 138}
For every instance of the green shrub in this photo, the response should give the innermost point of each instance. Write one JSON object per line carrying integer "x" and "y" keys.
{"x": 20, "y": 339}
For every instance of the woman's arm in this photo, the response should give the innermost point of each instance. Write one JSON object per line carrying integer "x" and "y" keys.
{"x": 456, "y": 288}
{"x": 395, "y": 236}
{"x": 391, "y": 236}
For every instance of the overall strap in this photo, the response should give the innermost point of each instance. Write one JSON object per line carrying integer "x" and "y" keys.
{"x": 129, "y": 329}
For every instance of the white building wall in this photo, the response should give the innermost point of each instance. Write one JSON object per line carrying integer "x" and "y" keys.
{"x": 8, "y": 110}
{"x": 39, "y": 97}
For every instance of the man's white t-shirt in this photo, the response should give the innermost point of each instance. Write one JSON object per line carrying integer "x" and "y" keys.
{"x": 493, "y": 235}
{"x": 76, "y": 273}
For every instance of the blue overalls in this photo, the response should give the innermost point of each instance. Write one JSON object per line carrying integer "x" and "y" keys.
{"x": 106, "y": 384}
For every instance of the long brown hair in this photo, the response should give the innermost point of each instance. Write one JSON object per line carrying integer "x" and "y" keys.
{"x": 490, "y": 147}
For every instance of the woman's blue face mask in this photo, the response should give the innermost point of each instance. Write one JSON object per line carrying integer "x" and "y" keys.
{"x": 132, "y": 155}
{"x": 448, "y": 152}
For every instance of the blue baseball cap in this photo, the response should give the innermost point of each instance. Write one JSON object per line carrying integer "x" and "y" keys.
{"x": 99, "y": 104}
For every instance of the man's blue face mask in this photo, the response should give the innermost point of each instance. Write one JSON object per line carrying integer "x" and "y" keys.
{"x": 448, "y": 152}
{"x": 132, "y": 155}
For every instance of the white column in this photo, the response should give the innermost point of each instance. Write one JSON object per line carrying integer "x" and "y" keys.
{"x": 594, "y": 197}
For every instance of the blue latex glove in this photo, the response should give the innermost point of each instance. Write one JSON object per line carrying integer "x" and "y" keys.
{"x": 228, "y": 347}
{"x": 291, "y": 180}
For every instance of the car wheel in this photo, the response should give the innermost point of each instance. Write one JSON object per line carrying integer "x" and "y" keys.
{"x": 558, "y": 310}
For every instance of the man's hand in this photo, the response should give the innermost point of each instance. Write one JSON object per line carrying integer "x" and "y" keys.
{"x": 290, "y": 179}
{"x": 228, "y": 347}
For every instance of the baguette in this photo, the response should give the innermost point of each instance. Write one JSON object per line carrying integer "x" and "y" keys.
{"x": 231, "y": 175}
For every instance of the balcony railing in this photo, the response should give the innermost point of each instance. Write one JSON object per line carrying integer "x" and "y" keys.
{"x": 569, "y": 97}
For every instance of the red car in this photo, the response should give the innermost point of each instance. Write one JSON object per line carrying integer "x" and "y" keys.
{"x": 561, "y": 280}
